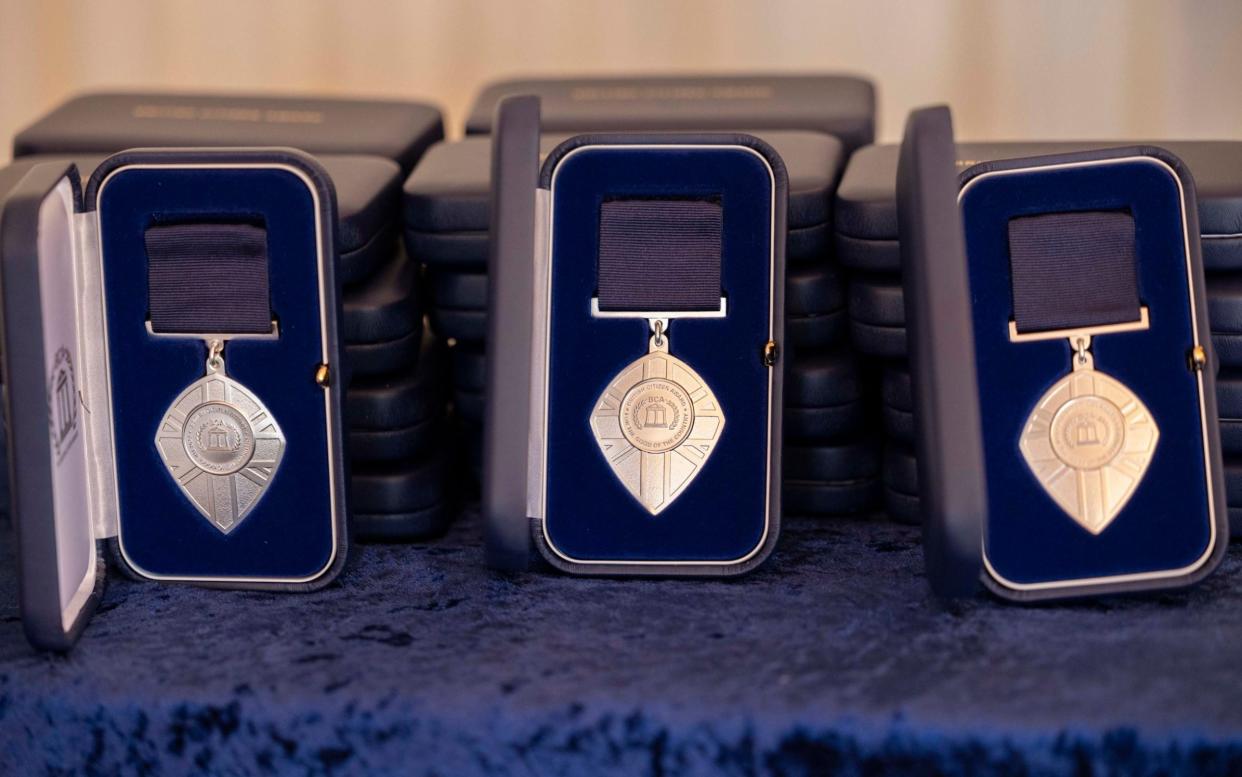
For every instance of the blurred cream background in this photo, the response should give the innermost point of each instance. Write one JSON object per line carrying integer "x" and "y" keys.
{"x": 1010, "y": 69}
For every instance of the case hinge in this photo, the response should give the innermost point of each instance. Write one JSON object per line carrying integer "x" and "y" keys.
{"x": 93, "y": 384}
{"x": 538, "y": 356}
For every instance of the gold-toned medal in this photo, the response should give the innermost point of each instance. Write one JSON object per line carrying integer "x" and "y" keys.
{"x": 1089, "y": 439}
{"x": 657, "y": 423}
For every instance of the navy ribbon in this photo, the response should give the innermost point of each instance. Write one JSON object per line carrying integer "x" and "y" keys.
{"x": 1073, "y": 270}
{"x": 659, "y": 255}
{"x": 208, "y": 278}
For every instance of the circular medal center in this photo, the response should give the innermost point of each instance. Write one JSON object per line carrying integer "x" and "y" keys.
{"x": 656, "y": 415}
{"x": 1088, "y": 432}
{"x": 218, "y": 438}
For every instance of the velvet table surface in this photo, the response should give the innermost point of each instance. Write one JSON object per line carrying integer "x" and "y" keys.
{"x": 832, "y": 657}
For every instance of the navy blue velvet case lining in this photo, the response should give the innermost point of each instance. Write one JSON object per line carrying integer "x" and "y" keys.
{"x": 289, "y": 534}
{"x": 588, "y": 515}
{"x": 1166, "y": 524}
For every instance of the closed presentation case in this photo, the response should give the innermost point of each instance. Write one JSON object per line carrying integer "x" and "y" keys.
{"x": 839, "y": 105}
{"x": 108, "y": 122}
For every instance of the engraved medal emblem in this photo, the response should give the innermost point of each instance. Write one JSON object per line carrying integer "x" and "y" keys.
{"x": 657, "y": 423}
{"x": 221, "y": 445}
{"x": 1089, "y": 441}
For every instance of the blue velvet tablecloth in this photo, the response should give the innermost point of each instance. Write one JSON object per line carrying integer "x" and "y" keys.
{"x": 832, "y": 658}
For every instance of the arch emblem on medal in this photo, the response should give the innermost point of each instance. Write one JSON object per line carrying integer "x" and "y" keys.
{"x": 221, "y": 445}
{"x": 1089, "y": 442}
{"x": 657, "y": 424}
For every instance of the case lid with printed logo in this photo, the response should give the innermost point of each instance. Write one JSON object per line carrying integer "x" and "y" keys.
{"x": 839, "y": 105}
{"x": 109, "y": 122}
{"x": 60, "y": 563}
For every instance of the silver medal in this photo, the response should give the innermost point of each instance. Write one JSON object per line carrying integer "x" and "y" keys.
{"x": 1089, "y": 441}
{"x": 657, "y": 423}
{"x": 220, "y": 444}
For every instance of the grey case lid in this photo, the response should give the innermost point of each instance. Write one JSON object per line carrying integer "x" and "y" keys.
{"x": 839, "y": 105}
{"x": 53, "y": 618}
{"x": 511, "y": 287}
{"x": 949, "y": 441}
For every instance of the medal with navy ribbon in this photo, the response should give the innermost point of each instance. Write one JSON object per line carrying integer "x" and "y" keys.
{"x": 218, "y": 441}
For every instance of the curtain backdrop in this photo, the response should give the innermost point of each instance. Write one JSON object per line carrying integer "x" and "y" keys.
{"x": 1071, "y": 69}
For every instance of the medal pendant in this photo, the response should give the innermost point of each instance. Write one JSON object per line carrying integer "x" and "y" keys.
{"x": 220, "y": 444}
{"x": 657, "y": 424}
{"x": 1089, "y": 441}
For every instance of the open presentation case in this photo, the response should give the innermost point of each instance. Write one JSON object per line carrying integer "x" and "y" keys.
{"x": 170, "y": 344}
{"x": 1063, "y": 380}
{"x": 634, "y": 396}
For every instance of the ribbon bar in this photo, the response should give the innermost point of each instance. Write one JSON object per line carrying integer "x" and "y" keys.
{"x": 208, "y": 278}
{"x": 659, "y": 255}
{"x": 1073, "y": 270}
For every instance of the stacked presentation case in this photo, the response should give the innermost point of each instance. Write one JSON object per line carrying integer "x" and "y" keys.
{"x": 867, "y": 243}
{"x": 812, "y": 122}
{"x": 396, "y": 372}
